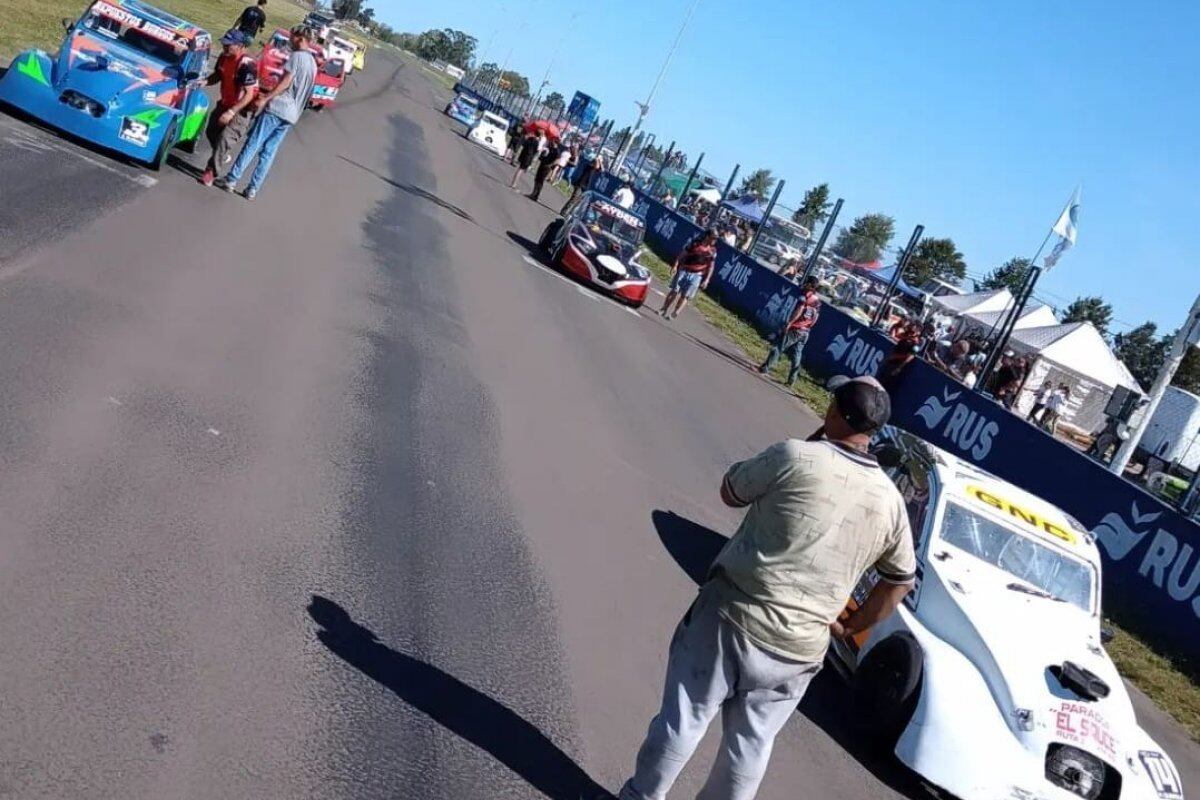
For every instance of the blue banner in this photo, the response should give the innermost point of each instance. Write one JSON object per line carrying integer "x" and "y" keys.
{"x": 1151, "y": 552}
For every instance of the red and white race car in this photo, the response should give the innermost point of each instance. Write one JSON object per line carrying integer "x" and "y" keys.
{"x": 599, "y": 241}
{"x": 330, "y": 75}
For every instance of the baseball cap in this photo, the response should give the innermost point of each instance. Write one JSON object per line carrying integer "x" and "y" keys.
{"x": 862, "y": 402}
{"x": 235, "y": 36}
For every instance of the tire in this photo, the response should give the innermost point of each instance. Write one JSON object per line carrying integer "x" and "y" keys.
{"x": 886, "y": 688}
{"x": 168, "y": 141}
{"x": 548, "y": 236}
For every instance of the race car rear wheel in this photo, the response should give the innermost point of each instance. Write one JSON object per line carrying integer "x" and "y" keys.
{"x": 887, "y": 685}
{"x": 548, "y": 236}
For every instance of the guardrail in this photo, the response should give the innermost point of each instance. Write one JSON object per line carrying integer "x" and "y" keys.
{"x": 1151, "y": 552}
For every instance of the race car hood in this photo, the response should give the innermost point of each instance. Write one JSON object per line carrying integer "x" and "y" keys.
{"x": 1019, "y": 643}
{"x": 106, "y": 72}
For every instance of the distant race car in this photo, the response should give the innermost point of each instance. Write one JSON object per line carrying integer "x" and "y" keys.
{"x": 360, "y": 54}
{"x": 598, "y": 241}
{"x": 464, "y": 109}
{"x": 343, "y": 49}
{"x": 126, "y": 77}
{"x": 490, "y": 132}
{"x": 275, "y": 54}
{"x": 991, "y": 680}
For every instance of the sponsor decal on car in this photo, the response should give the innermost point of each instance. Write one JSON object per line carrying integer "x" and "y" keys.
{"x": 135, "y": 131}
{"x": 140, "y": 23}
{"x": 1023, "y": 514}
{"x": 1162, "y": 774}
{"x": 1169, "y": 565}
{"x": 1082, "y": 725}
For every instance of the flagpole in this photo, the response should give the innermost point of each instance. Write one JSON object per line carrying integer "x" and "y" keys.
{"x": 1003, "y": 319}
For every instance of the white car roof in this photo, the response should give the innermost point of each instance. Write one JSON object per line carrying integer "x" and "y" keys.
{"x": 979, "y": 490}
{"x": 494, "y": 119}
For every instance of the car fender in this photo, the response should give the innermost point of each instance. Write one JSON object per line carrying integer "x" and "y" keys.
{"x": 31, "y": 71}
{"x": 195, "y": 113}
{"x": 957, "y": 738}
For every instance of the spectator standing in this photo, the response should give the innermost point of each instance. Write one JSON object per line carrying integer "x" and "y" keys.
{"x": 729, "y": 237}
{"x": 792, "y": 337}
{"x": 690, "y": 273}
{"x": 531, "y": 145}
{"x": 820, "y": 514}
{"x": 668, "y": 198}
{"x": 560, "y": 166}
{"x": 587, "y": 172}
{"x": 514, "y": 144}
{"x": 1055, "y": 404}
{"x": 624, "y": 196}
{"x": 230, "y": 121}
{"x": 279, "y": 109}
{"x": 252, "y": 19}
{"x": 1039, "y": 402}
{"x": 546, "y": 162}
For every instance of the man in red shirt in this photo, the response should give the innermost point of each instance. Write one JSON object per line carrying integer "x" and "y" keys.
{"x": 691, "y": 272}
{"x": 230, "y": 121}
{"x": 794, "y": 334}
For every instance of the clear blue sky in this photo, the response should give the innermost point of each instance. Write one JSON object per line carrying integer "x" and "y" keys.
{"x": 975, "y": 119}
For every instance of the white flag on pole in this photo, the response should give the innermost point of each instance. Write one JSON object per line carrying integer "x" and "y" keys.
{"x": 1066, "y": 229}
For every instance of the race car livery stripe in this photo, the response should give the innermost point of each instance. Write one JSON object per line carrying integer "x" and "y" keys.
{"x": 150, "y": 116}
{"x": 31, "y": 67}
{"x": 1024, "y": 515}
{"x": 192, "y": 124}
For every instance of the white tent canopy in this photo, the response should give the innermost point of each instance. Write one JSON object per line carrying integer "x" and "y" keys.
{"x": 709, "y": 195}
{"x": 974, "y": 303}
{"x": 1033, "y": 316}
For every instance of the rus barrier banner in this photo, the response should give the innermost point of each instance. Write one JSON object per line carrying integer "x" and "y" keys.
{"x": 1151, "y": 552}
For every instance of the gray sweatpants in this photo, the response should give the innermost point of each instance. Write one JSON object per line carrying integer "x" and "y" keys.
{"x": 713, "y": 667}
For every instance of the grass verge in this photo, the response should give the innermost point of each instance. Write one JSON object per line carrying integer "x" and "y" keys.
{"x": 38, "y": 24}
{"x": 1173, "y": 686}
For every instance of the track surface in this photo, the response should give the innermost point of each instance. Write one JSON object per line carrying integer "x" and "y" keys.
{"x": 337, "y": 494}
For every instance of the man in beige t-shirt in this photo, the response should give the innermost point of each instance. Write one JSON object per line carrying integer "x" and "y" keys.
{"x": 820, "y": 514}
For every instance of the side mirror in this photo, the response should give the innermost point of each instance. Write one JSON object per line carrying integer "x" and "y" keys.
{"x": 66, "y": 23}
{"x": 1107, "y": 635}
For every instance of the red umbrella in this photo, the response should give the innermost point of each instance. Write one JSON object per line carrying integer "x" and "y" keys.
{"x": 545, "y": 126}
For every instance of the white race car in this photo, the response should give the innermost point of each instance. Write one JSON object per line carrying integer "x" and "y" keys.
{"x": 990, "y": 681}
{"x": 490, "y": 133}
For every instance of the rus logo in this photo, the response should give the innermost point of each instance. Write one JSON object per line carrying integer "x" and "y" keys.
{"x": 971, "y": 431}
{"x": 849, "y": 351}
{"x": 665, "y": 227}
{"x": 1169, "y": 565}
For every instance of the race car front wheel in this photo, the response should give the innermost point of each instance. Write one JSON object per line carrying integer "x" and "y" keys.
{"x": 548, "y": 235}
{"x": 168, "y": 141}
{"x": 887, "y": 685}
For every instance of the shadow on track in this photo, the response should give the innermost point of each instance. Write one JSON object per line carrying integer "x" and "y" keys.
{"x": 178, "y": 163}
{"x": 460, "y": 708}
{"x": 416, "y": 191}
{"x": 827, "y": 703}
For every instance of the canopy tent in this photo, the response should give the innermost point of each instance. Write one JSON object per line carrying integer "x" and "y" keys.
{"x": 746, "y": 207}
{"x": 987, "y": 323}
{"x": 884, "y": 276}
{"x": 1075, "y": 354}
{"x": 709, "y": 195}
{"x": 974, "y": 303}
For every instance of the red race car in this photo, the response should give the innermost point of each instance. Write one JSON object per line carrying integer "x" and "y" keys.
{"x": 330, "y": 76}
{"x": 599, "y": 241}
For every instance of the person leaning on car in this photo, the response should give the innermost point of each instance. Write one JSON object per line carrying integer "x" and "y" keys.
{"x": 230, "y": 121}
{"x": 820, "y": 513}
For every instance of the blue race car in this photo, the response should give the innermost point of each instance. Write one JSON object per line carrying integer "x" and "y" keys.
{"x": 464, "y": 109}
{"x": 127, "y": 77}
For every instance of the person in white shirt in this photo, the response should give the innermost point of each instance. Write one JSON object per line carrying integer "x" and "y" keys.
{"x": 624, "y": 196}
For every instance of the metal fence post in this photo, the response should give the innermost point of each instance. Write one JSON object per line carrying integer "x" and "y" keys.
{"x": 913, "y": 241}
{"x": 812, "y": 258}
{"x": 766, "y": 220}
{"x": 691, "y": 177}
{"x": 661, "y": 166}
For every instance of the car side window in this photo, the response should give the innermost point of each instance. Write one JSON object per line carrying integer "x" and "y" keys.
{"x": 912, "y": 479}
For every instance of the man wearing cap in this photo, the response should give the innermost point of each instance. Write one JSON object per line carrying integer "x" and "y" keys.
{"x": 279, "y": 109}
{"x": 820, "y": 514}
{"x": 230, "y": 121}
{"x": 794, "y": 334}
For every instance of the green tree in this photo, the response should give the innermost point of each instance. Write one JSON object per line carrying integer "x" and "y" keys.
{"x": 448, "y": 45}
{"x": 935, "y": 258}
{"x": 1010, "y": 275}
{"x": 866, "y": 238}
{"x": 815, "y": 208}
{"x": 346, "y": 9}
{"x": 555, "y": 100}
{"x": 1090, "y": 309}
{"x": 1187, "y": 377}
{"x": 1142, "y": 351}
{"x": 757, "y": 184}
{"x": 366, "y": 17}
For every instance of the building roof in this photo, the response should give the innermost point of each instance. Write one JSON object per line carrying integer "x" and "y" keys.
{"x": 1078, "y": 347}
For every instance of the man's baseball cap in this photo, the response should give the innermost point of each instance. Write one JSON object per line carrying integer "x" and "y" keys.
{"x": 236, "y": 37}
{"x": 862, "y": 402}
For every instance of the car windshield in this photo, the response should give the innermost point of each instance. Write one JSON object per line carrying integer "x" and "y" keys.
{"x": 1041, "y": 567}
{"x": 132, "y": 33}
{"x": 604, "y": 218}
{"x": 499, "y": 122}
{"x": 467, "y": 101}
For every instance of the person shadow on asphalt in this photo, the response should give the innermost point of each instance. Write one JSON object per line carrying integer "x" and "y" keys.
{"x": 462, "y": 709}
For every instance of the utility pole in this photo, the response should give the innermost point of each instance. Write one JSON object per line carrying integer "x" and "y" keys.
{"x": 644, "y": 108}
{"x": 1183, "y": 339}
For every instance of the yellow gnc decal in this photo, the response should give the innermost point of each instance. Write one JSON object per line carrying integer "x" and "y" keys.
{"x": 1028, "y": 517}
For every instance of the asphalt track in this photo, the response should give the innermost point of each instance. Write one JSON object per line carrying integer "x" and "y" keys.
{"x": 337, "y": 494}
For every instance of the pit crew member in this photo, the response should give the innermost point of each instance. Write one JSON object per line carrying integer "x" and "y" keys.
{"x": 237, "y": 73}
